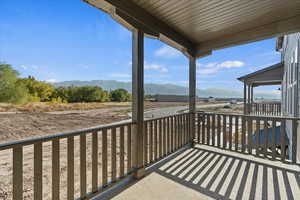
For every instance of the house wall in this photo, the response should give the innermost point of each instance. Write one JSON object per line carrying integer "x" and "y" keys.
{"x": 290, "y": 86}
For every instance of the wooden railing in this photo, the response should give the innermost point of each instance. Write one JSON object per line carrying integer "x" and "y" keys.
{"x": 266, "y": 109}
{"x": 77, "y": 164}
{"x": 84, "y": 163}
{"x": 165, "y": 135}
{"x": 259, "y": 135}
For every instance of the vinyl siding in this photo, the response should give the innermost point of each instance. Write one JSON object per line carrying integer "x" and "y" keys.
{"x": 291, "y": 82}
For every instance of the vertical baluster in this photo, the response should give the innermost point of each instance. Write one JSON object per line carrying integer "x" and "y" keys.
{"x": 265, "y": 137}
{"x": 294, "y": 140}
{"x": 173, "y": 133}
{"x": 151, "y": 142}
{"x": 282, "y": 140}
{"x": 219, "y": 130}
{"x": 189, "y": 137}
{"x": 178, "y": 132}
{"x": 198, "y": 127}
{"x": 104, "y": 157}
{"x": 38, "y": 171}
{"x": 168, "y": 136}
{"x": 122, "y": 151}
{"x": 70, "y": 174}
{"x": 273, "y": 138}
{"x": 224, "y": 132}
{"x": 236, "y": 132}
{"x": 243, "y": 133}
{"x": 213, "y": 129}
{"x": 18, "y": 172}
{"x": 113, "y": 155}
{"x": 183, "y": 130}
{"x": 257, "y": 136}
{"x": 164, "y": 137}
{"x": 55, "y": 169}
{"x": 203, "y": 128}
{"x": 145, "y": 143}
{"x": 82, "y": 165}
{"x": 160, "y": 138}
{"x": 191, "y": 134}
{"x": 129, "y": 148}
{"x": 250, "y": 125}
{"x": 95, "y": 161}
{"x": 155, "y": 140}
{"x": 230, "y": 132}
{"x": 209, "y": 129}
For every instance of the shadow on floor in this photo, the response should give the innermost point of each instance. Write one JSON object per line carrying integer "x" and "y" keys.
{"x": 222, "y": 176}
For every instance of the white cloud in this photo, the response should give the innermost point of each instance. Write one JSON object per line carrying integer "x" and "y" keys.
{"x": 209, "y": 65}
{"x": 208, "y": 71}
{"x": 156, "y": 67}
{"x": 31, "y": 68}
{"x": 52, "y": 80}
{"x": 24, "y": 67}
{"x": 120, "y": 75}
{"x": 214, "y": 67}
{"x": 231, "y": 64}
{"x": 167, "y": 52}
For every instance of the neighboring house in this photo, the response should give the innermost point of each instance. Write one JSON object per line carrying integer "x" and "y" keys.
{"x": 289, "y": 46}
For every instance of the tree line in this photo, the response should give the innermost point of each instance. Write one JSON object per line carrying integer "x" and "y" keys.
{"x": 23, "y": 90}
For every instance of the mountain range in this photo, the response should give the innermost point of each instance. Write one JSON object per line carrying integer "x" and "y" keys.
{"x": 151, "y": 88}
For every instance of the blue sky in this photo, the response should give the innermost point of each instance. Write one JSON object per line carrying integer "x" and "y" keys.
{"x": 70, "y": 40}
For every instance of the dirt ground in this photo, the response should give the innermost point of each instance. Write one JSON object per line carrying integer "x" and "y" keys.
{"x": 19, "y": 125}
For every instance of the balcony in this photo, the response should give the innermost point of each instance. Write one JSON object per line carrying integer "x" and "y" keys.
{"x": 202, "y": 155}
{"x": 265, "y": 109}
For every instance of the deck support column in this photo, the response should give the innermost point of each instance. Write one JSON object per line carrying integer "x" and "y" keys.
{"x": 192, "y": 96}
{"x": 138, "y": 101}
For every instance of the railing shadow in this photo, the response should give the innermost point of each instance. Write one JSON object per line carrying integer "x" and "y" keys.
{"x": 219, "y": 175}
{"x": 223, "y": 176}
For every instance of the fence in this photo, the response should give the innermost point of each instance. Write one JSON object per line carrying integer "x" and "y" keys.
{"x": 266, "y": 109}
{"x": 260, "y": 135}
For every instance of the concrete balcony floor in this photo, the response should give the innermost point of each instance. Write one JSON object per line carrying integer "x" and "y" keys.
{"x": 205, "y": 172}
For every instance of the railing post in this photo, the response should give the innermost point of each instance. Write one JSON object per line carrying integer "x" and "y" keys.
{"x": 192, "y": 97}
{"x": 138, "y": 101}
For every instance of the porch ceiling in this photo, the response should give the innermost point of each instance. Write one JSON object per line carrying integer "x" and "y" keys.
{"x": 272, "y": 75}
{"x": 198, "y": 27}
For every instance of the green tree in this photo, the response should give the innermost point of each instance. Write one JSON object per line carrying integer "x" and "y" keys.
{"x": 120, "y": 95}
{"x": 37, "y": 89}
{"x": 62, "y": 93}
{"x": 10, "y": 91}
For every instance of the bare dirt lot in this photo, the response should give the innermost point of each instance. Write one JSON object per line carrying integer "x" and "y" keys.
{"x": 19, "y": 124}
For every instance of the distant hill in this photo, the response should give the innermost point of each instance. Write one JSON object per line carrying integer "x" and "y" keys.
{"x": 165, "y": 89}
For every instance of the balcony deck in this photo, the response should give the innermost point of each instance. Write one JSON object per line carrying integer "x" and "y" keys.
{"x": 205, "y": 172}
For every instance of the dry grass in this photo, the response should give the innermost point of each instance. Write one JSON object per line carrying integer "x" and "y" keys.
{"x": 48, "y": 107}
